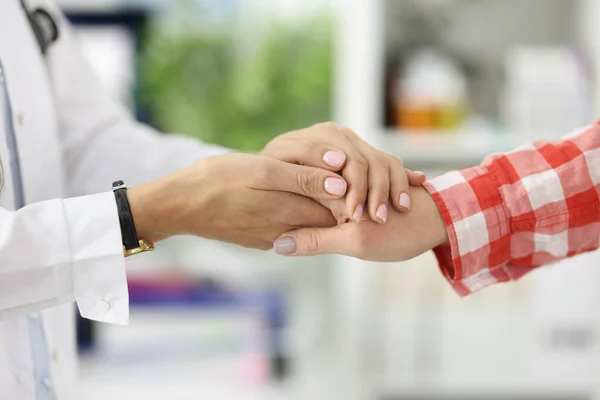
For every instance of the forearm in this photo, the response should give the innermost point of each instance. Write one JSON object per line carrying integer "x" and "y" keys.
{"x": 423, "y": 227}
{"x": 154, "y": 206}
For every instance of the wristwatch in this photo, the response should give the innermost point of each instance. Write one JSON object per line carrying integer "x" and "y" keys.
{"x": 131, "y": 243}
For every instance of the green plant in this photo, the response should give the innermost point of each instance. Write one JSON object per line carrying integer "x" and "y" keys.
{"x": 207, "y": 85}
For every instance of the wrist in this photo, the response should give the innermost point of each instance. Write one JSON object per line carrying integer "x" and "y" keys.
{"x": 439, "y": 227}
{"x": 150, "y": 211}
{"x": 433, "y": 220}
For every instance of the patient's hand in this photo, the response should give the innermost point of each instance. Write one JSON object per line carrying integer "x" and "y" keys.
{"x": 404, "y": 236}
{"x": 377, "y": 181}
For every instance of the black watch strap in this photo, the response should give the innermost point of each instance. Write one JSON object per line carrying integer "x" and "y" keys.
{"x": 128, "y": 232}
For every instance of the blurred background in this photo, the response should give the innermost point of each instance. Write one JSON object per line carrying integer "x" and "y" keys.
{"x": 441, "y": 83}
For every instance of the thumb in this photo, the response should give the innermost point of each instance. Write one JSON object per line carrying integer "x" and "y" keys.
{"x": 313, "y": 241}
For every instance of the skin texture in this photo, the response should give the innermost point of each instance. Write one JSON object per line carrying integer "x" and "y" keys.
{"x": 244, "y": 199}
{"x": 375, "y": 177}
{"x": 251, "y": 200}
{"x": 404, "y": 236}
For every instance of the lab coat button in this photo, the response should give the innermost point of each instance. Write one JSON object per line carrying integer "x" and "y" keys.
{"x": 103, "y": 306}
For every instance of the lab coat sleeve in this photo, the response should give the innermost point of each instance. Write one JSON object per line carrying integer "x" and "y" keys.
{"x": 102, "y": 142}
{"x": 56, "y": 251}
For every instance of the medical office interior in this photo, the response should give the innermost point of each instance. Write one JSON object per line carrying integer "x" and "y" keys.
{"x": 441, "y": 83}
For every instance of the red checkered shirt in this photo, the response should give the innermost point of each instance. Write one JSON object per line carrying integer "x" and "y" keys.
{"x": 519, "y": 210}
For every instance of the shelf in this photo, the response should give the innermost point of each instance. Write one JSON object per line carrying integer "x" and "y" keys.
{"x": 446, "y": 150}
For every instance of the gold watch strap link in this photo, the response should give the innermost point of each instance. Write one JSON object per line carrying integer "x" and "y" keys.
{"x": 144, "y": 246}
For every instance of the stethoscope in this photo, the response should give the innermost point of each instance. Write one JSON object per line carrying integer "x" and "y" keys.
{"x": 46, "y": 32}
{"x": 43, "y": 26}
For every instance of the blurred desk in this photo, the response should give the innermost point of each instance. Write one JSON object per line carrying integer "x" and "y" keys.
{"x": 182, "y": 354}
{"x": 101, "y": 382}
{"x": 190, "y": 370}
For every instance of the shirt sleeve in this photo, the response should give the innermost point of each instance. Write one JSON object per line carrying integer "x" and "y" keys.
{"x": 63, "y": 250}
{"x": 520, "y": 210}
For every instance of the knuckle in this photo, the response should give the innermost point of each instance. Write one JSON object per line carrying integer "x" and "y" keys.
{"x": 361, "y": 162}
{"x": 331, "y": 125}
{"x": 398, "y": 160}
{"x": 380, "y": 193}
{"x": 328, "y": 126}
{"x": 383, "y": 158}
{"x": 312, "y": 147}
{"x": 274, "y": 149}
{"x": 305, "y": 182}
{"x": 313, "y": 242}
{"x": 269, "y": 147}
{"x": 349, "y": 133}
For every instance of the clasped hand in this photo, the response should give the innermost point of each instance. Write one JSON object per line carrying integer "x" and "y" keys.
{"x": 306, "y": 192}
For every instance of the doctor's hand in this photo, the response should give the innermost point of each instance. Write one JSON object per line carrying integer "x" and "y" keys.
{"x": 404, "y": 236}
{"x": 374, "y": 177}
{"x": 244, "y": 199}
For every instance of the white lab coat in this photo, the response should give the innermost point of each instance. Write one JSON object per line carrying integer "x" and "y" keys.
{"x": 65, "y": 246}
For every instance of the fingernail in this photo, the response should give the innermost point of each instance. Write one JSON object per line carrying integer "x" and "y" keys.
{"x": 382, "y": 213}
{"x": 358, "y": 212}
{"x": 404, "y": 200}
{"x": 334, "y": 158}
{"x": 421, "y": 173}
{"x": 285, "y": 245}
{"x": 335, "y": 186}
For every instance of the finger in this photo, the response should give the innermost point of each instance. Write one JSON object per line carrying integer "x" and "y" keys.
{"x": 313, "y": 153}
{"x": 354, "y": 170}
{"x": 313, "y": 241}
{"x": 415, "y": 178}
{"x": 315, "y": 183}
{"x": 356, "y": 173}
{"x": 299, "y": 211}
{"x": 378, "y": 178}
{"x": 337, "y": 207}
{"x": 379, "y": 190}
{"x": 400, "y": 187}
